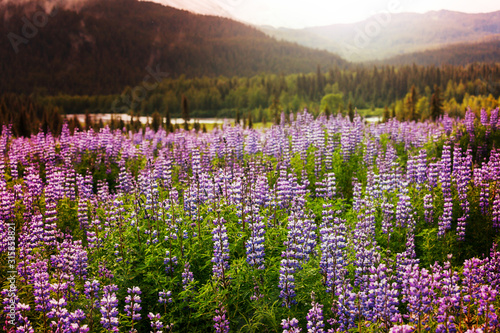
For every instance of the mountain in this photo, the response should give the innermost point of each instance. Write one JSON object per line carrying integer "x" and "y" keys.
{"x": 460, "y": 54}
{"x": 99, "y": 47}
{"x": 203, "y": 7}
{"x": 382, "y": 36}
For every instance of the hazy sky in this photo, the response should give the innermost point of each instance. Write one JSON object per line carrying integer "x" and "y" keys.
{"x": 306, "y": 13}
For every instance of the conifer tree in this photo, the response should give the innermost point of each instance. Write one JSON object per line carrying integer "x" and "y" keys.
{"x": 250, "y": 124}
{"x": 185, "y": 112}
{"x": 436, "y": 103}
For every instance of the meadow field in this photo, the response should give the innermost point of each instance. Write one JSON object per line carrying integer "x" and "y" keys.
{"x": 313, "y": 224}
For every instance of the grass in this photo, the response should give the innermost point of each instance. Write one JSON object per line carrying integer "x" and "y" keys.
{"x": 377, "y": 112}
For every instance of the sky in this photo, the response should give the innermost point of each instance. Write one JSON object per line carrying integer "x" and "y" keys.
{"x": 307, "y": 13}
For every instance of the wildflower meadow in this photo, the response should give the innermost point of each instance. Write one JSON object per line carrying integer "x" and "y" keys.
{"x": 325, "y": 224}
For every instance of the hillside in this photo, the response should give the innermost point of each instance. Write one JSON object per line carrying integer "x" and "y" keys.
{"x": 105, "y": 45}
{"x": 457, "y": 54}
{"x": 396, "y": 34}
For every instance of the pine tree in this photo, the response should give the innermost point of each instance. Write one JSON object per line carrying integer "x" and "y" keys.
{"x": 436, "y": 103}
{"x": 156, "y": 122}
{"x": 168, "y": 121}
{"x": 88, "y": 120}
{"x": 260, "y": 114}
{"x": 237, "y": 120}
{"x": 327, "y": 112}
{"x": 350, "y": 110}
{"x": 275, "y": 108}
{"x": 185, "y": 112}
{"x": 411, "y": 104}
{"x": 250, "y": 124}
{"x": 386, "y": 115}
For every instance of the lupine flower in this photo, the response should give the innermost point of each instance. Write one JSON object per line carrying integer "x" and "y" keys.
{"x": 445, "y": 178}
{"x": 494, "y": 119}
{"x": 474, "y": 330}
{"x": 170, "y": 262}
{"x": 402, "y": 329}
{"x": 74, "y": 322}
{"x": 496, "y": 212}
{"x": 133, "y": 301}
{"x": 383, "y": 296}
{"x": 255, "y": 243}
{"x": 187, "y": 276}
{"x": 487, "y": 297}
{"x": 290, "y": 325}
{"x": 469, "y": 122}
{"x": 333, "y": 259}
{"x": 315, "y": 318}
{"x": 446, "y": 282}
{"x": 164, "y": 297}
{"x": 156, "y": 323}
{"x": 41, "y": 292}
{"x": 221, "y": 321}
{"x": 221, "y": 250}
{"x": 24, "y": 325}
{"x": 109, "y": 309}
{"x": 418, "y": 294}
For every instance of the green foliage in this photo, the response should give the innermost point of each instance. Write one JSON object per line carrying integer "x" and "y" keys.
{"x": 331, "y": 102}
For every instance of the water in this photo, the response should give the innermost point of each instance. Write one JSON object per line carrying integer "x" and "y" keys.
{"x": 373, "y": 119}
{"x": 106, "y": 118}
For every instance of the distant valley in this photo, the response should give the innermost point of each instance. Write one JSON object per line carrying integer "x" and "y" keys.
{"x": 387, "y": 35}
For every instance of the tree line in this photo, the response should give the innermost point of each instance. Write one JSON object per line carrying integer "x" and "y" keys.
{"x": 406, "y": 92}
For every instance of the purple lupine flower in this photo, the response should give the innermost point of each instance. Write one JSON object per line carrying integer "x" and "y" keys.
{"x": 345, "y": 306}
{"x": 156, "y": 323}
{"x": 494, "y": 119}
{"x": 292, "y": 256}
{"x": 474, "y": 273}
{"x": 448, "y": 301}
{"x": 462, "y": 171}
{"x": 356, "y": 194}
{"x": 23, "y": 323}
{"x": 187, "y": 276}
{"x": 109, "y": 309}
{"x": 165, "y": 297}
{"x": 403, "y": 208}
{"x": 418, "y": 294}
{"x": 290, "y": 325}
{"x": 484, "y": 195}
{"x": 288, "y": 267}
{"x": 315, "y": 317}
{"x": 74, "y": 322}
{"x": 469, "y": 122}
{"x": 221, "y": 250}
{"x": 333, "y": 256}
{"x": 484, "y": 117}
{"x": 327, "y": 187}
{"x": 133, "y": 301}
{"x": 402, "y": 329}
{"x": 221, "y": 321}
{"x": 91, "y": 292}
{"x": 170, "y": 262}
{"x": 493, "y": 268}
{"x": 496, "y": 212}
{"x": 421, "y": 175}
{"x": 486, "y": 308}
{"x": 428, "y": 208}
{"x": 255, "y": 243}
{"x": 41, "y": 291}
{"x": 83, "y": 219}
{"x": 445, "y": 178}
{"x": 383, "y": 296}
{"x": 59, "y": 312}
